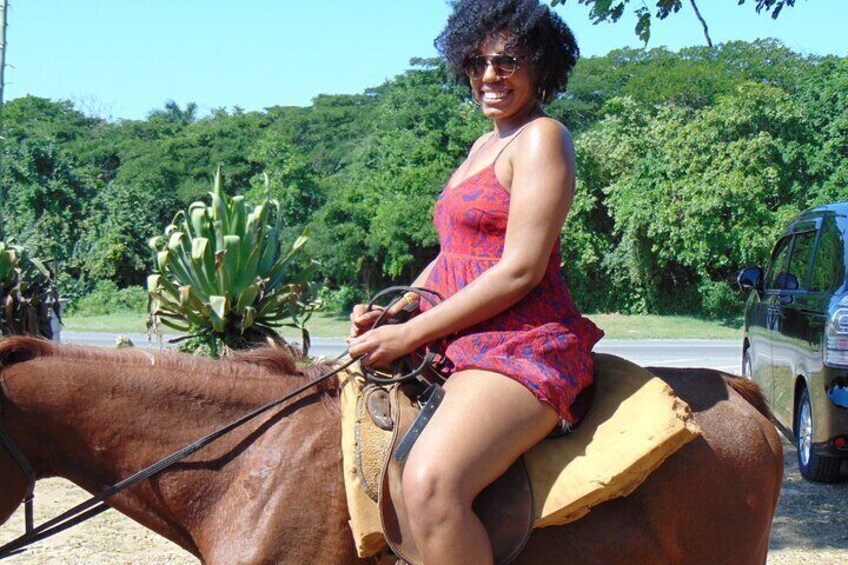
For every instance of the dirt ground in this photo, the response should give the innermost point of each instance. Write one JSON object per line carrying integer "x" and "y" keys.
{"x": 811, "y": 523}
{"x": 810, "y": 527}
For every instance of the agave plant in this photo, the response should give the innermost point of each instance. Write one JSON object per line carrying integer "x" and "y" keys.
{"x": 29, "y": 296}
{"x": 224, "y": 275}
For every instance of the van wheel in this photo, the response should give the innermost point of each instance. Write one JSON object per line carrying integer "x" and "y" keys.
{"x": 813, "y": 467}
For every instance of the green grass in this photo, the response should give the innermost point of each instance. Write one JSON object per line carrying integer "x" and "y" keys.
{"x": 622, "y": 326}
{"x": 320, "y": 325}
{"x": 616, "y": 326}
{"x": 120, "y": 322}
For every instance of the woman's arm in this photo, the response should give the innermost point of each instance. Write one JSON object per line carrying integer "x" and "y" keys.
{"x": 425, "y": 274}
{"x": 541, "y": 193}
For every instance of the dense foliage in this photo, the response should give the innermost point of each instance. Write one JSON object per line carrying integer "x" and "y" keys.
{"x": 689, "y": 163}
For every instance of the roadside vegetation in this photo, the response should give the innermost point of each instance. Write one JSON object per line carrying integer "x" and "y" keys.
{"x": 689, "y": 164}
{"x": 329, "y": 324}
{"x": 29, "y": 297}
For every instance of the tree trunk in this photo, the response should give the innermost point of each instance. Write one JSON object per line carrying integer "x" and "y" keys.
{"x": 3, "y": 10}
{"x": 703, "y": 23}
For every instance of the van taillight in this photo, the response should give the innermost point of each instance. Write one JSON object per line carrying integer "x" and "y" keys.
{"x": 836, "y": 335}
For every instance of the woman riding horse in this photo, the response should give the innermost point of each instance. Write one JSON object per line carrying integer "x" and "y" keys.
{"x": 272, "y": 491}
{"x": 520, "y": 352}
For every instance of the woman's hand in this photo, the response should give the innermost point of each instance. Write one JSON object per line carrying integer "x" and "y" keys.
{"x": 361, "y": 319}
{"x": 382, "y": 345}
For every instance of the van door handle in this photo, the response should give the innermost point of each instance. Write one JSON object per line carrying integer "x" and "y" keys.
{"x": 815, "y": 331}
{"x": 771, "y": 317}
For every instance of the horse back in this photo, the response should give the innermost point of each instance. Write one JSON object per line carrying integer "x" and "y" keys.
{"x": 711, "y": 502}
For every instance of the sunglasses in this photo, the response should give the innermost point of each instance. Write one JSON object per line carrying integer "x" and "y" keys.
{"x": 503, "y": 65}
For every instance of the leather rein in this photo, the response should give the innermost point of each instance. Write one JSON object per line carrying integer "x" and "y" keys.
{"x": 96, "y": 504}
{"x": 26, "y": 467}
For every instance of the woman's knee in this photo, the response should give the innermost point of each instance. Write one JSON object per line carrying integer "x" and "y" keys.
{"x": 433, "y": 495}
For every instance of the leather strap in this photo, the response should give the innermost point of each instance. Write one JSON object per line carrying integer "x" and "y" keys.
{"x": 402, "y": 369}
{"x": 96, "y": 504}
{"x": 431, "y": 397}
{"x": 28, "y": 471}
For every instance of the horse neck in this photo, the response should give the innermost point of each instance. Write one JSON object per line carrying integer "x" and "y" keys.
{"x": 101, "y": 414}
{"x": 95, "y": 423}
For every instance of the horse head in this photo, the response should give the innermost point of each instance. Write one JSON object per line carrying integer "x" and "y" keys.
{"x": 15, "y": 480}
{"x": 14, "y": 485}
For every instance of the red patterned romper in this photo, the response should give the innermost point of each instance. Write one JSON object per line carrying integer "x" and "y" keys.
{"x": 541, "y": 341}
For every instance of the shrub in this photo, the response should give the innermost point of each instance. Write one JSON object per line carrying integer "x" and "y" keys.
{"x": 225, "y": 275}
{"x": 107, "y": 298}
{"x": 342, "y": 299}
{"x": 720, "y": 300}
{"x": 28, "y": 293}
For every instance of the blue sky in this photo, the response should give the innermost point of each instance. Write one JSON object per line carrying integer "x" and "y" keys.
{"x": 123, "y": 58}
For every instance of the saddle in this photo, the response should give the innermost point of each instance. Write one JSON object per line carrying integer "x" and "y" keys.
{"x": 635, "y": 423}
{"x": 505, "y": 507}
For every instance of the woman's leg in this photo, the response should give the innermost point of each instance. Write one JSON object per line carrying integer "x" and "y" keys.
{"x": 485, "y": 422}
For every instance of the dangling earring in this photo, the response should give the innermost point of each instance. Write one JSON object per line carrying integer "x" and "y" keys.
{"x": 543, "y": 95}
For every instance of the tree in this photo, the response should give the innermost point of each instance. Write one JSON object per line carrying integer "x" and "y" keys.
{"x": 688, "y": 163}
{"x": 115, "y": 233}
{"x": 3, "y": 23}
{"x": 612, "y": 10}
{"x": 694, "y": 77}
{"x": 32, "y": 117}
{"x": 293, "y": 183}
{"x": 694, "y": 195}
{"x": 376, "y": 226}
{"x": 330, "y": 130}
{"x": 172, "y": 112}
{"x": 826, "y": 109}
{"x": 44, "y": 201}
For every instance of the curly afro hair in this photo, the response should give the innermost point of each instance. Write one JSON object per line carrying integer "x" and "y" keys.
{"x": 535, "y": 32}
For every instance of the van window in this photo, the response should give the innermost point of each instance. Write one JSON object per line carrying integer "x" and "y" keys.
{"x": 799, "y": 263}
{"x": 828, "y": 269}
{"x": 776, "y": 274}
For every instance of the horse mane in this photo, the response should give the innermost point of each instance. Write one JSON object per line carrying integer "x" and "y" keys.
{"x": 266, "y": 360}
{"x": 750, "y": 391}
{"x": 17, "y": 349}
{"x": 282, "y": 362}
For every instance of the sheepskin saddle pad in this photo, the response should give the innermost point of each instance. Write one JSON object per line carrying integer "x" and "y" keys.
{"x": 635, "y": 423}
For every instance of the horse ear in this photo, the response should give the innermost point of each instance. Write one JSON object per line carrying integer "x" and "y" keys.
{"x": 20, "y": 348}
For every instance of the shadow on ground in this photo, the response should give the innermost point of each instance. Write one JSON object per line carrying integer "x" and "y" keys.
{"x": 809, "y": 515}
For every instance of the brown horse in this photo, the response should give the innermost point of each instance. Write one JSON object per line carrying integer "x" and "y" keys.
{"x": 272, "y": 492}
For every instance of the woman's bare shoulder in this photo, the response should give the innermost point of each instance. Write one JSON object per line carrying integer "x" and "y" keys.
{"x": 547, "y": 130}
{"x": 543, "y": 139}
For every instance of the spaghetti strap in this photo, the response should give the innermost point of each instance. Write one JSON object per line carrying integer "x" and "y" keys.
{"x": 514, "y": 137}
{"x": 492, "y": 136}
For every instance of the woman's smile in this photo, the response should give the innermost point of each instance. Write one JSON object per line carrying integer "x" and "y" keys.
{"x": 492, "y": 95}
{"x": 502, "y": 98}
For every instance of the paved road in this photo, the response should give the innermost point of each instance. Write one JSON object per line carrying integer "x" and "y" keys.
{"x": 716, "y": 354}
